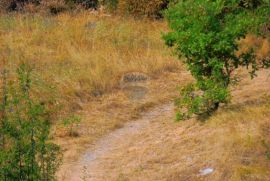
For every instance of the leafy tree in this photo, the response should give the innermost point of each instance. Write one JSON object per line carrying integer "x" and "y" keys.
{"x": 25, "y": 153}
{"x": 205, "y": 35}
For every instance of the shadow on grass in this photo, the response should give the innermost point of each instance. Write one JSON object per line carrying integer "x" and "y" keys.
{"x": 236, "y": 107}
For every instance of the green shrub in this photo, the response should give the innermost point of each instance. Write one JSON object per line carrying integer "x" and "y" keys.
{"x": 25, "y": 153}
{"x": 205, "y": 36}
{"x": 71, "y": 122}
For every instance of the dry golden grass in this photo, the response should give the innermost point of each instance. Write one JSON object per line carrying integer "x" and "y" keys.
{"x": 84, "y": 55}
{"x": 260, "y": 45}
{"x": 234, "y": 142}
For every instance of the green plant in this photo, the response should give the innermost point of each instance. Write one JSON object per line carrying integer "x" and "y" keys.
{"x": 25, "y": 150}
{"x": 72, "y": 122}
{"x": 205, "y": 35}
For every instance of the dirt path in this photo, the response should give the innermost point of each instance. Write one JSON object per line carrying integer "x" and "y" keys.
{"x": 154, "y": 147}
{"x": 91, "y": 166}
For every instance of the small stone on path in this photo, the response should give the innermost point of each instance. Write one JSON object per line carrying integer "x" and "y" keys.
{"x": 206, "y": 171}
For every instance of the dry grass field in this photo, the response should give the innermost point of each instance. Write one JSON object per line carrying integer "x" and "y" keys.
{"x": 79, "y": 61}
{"x": 234, "y": 141}
{"x": 84, "y": 56}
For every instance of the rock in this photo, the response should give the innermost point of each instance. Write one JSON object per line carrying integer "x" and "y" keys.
{"x": 135, "y": 85}
{"x": 137, "y": 92}
{"x": 206, "y": 171}
{"x": 134, "y": 77}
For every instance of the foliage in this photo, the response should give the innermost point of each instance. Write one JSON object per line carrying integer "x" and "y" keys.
{"x": 110, "y": 5}
{"x": 13, "y": 5}
{"x": 205, "y": 35}
{"x": 139, "y": 8}
{"x": 85, "y": 3}
{"x": 25, "y": 153}
{"x": 71, "y": 122}
{"x": 54, "y": 6}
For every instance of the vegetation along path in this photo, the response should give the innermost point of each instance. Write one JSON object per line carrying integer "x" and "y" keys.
{"x": 154, "y": 147}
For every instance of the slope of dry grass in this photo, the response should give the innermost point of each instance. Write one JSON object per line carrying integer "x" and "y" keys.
{"x": 235, "y": 142}
{"x": 84, "y": 55}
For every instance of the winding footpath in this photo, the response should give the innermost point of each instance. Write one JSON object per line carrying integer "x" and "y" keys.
{"x": 153, "y": 147}
{"x": 91, "y": 165}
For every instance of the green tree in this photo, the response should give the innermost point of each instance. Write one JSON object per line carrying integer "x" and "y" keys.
{"x": 25, "y": 153}
{"x": 205, "y": 35}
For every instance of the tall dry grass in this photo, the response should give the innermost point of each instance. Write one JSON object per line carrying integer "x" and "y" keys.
{"x": 142, "y": 8}
{"x": 84, "y": 55}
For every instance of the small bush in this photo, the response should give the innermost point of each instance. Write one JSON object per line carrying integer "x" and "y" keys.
{"x": 140, "y": 8}
{"x": 88, "y": 4}
{"x": 71, "y": 122}
{"x": 12, "y": 5}
{"x": 110, "y": 5}
{"x": 25, "y": 153}
{"x": 53, "y": 6}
